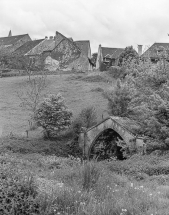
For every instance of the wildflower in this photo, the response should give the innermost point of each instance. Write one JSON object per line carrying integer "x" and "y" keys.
{"x": 141, "y": 186}
{"x": 60, "y": 184}
{"x": 150, "y": 194}
{"x": 131, "y": 185}
{"x": 124, "y": 210}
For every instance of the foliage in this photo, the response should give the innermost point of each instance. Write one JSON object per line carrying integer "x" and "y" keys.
{"x": 150, "y": 105}
{"x": 103, "y": 67}
{"x": 128, "y": 55}
{"x": 53, "y": 115}
{"x": 116, "y": 72}
{"x": 65, "y": 186}
{"x": 18, "y": 194}
{"x": 119, "y": 98}
{"x": 87, "y": 118}
{"x": 143, "y": 96}
{"x": 94, "y": 58}
{"x": 20, "y": 63}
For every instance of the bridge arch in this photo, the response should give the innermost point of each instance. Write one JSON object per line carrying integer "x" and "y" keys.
{"x": 90, "y": 135}
{"x": 106, "y": 144}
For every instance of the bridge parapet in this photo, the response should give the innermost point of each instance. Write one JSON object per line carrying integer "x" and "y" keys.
{"x": 89, "y": 136}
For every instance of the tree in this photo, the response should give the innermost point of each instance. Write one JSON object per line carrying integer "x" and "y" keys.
{"x": 143, "y": 96}
{"x": 31, "y": 93}
{"x": 53, "y": 115}
{"x": 119, "y": 99}
{"x": 20, "y": 63}
{"x": 94, "y": 58}
{"x": 128, "y": 55}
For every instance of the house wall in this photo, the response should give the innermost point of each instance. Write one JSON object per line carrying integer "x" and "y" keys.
{"x": 51, "y": 64}
{"x": 67, "y": 54}
{"x": 89, "y": 56}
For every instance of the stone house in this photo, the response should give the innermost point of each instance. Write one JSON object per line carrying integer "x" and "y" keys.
{"x": 36, "y": 54}
{"x": 154, "y": 51}
{"x": 9, "y": 44}
{"x": 60, "y": 52}
{"x": 108, "y": 56}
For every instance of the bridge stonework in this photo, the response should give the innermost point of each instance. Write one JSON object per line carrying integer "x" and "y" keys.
{"x": 88, "y": 138}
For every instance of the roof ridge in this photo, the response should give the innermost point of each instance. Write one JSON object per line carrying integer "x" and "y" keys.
{"x": 35, "y": 46}
{"x": 14, "y": 36}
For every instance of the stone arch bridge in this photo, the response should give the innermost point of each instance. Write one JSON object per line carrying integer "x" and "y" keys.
{"x": 88, "y": 137}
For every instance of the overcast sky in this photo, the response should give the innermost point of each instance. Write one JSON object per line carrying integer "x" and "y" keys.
{"x": 111, "y": 23}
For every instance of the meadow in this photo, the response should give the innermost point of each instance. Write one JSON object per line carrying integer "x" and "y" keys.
{"x": 40, "y": 177}
{"x": 79, "y": 91}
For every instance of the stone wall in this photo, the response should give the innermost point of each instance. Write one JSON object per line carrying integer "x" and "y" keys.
{"x": 66, "y": 52}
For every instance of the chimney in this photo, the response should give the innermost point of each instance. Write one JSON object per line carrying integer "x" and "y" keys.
{"x": 10, "y": 34}
{"x": 51, "y": 37}
{"x": 140, "y": 50}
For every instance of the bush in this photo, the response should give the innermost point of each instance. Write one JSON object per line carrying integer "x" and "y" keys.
{"x": 17, "y": 194}
{"x": 103, "y": 67}
{"x": 86, "y": 119}
{"x": 116, "y": 72}
{"x": 53, "y": 115}
{"x": 119, "y": 99}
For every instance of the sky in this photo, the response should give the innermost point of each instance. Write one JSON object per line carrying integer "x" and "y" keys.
{"x": 111, "y": 23}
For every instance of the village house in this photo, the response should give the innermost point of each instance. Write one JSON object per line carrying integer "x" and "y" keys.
{"x": 55, "y": 52}
{"x": 60, "y": 52}
{"x": 108, "y": 56}
{"x": 154, "y": 52}
{"x": 9, "y": 44}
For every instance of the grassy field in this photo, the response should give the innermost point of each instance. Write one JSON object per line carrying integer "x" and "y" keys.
{"x": 79, "y": 90}
{"x": 39, "y": 177}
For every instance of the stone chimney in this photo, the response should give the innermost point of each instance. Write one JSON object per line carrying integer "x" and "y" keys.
{"x": 10, "y": 34}
{"x": 140, "y": 50}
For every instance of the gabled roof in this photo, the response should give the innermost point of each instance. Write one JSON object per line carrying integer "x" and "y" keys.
{"x": 45, "y": 45}
{"x": 26, "y": 47}
{"x": 113, "y": 52}
{"x": 117, "y": 53}
{"x": 84, "y": 46}
{"x": 152, "y": 51}
{"x": 5, "y": 41}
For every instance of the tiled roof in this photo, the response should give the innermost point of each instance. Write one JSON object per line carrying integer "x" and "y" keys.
{"x": 84, "y": 46}
{"x": 10, "y": 40}
{"x": 114, "y": 52}
{"x": 152, "y": 51}
{"x": 45, "y": 45}
{"x": 26, "y": 47}
{"x": 117, "y": 53}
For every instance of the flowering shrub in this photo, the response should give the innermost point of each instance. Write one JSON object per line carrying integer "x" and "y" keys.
{"x": 18, "y": 194}
{"x": 53, "y": 115}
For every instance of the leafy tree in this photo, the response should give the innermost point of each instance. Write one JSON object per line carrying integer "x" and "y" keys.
{"x": 53, "y": 115}
{"x": 94, "y": 58}
{"x": 119, "y": 98}
{"x": 128, "y": 55}
{"x": 20, "y": 63}
{"x": 143, "y": 96}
